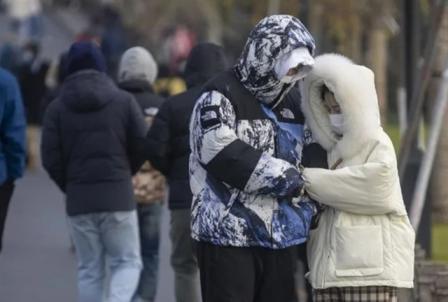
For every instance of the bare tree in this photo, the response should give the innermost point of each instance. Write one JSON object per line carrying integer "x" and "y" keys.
{"x": 380, "y": 20}
{"x": 438, "y": 186}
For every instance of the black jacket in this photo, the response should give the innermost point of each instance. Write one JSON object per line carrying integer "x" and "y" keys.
{"x": 32, "y": 83}
{"x": 92, "y": 143}
{"x": 168, "y": 146}
{"x": 143, "y": 94}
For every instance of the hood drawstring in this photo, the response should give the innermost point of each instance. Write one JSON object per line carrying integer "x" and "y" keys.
{"x": 284, "y": 92}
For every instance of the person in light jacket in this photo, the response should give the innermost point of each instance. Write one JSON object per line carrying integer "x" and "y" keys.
{"x": 363, "y": 246}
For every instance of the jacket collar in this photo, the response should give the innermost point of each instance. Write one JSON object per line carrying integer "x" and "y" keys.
{"x": 136, "y": 86}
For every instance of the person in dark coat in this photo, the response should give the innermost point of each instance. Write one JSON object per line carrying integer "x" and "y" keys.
{"x": 12, "y": 141}
{"x": 136, "y": 74}
{"x": 168, "y": 150}
{"x": 31, "y": 75}
{"x": 91, "y": 147}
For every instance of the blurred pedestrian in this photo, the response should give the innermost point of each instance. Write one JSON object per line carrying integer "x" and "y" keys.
{"x": 169, "y": 151}
{"x": 168, "y": 83}
{"x": 55, "y": 78}
{"x": 32, "y": 75}
{"x": 10, "y": 53}
{"x": 363, "y": 246}
{"x": 26, "y": 20}
{"x": 114, "y": 40}
{"x": 136, "y": 74}
{"x": 12, "y": 141}
{"x": 246, "y": 137}
{"x": 91, "y": 146}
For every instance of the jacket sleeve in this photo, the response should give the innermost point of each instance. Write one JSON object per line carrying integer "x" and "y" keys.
{"x": 364, "y": 189}
{"x": 13, "y": 131}
{"x": 157, "y": 146}
{"x": 137, "y": 131}
{"x": 216, "y": 146}
{"x": 51, "y": 146}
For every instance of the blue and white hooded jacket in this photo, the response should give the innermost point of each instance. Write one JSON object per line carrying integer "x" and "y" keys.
{"x": 246, "y": 138}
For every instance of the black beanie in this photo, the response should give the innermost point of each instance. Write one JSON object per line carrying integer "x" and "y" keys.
{"x": 85, "y": 55}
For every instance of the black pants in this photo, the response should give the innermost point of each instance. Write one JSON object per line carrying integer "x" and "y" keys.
{"x": 304, "y": 259}
{"x": 6, "y": 190}
{"x": 232, "y": 274}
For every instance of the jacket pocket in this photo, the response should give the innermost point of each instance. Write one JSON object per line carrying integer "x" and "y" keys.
{"x": 359, "y": 250}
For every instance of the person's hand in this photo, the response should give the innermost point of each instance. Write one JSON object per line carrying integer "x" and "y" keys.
{"x": 301, "y": 192}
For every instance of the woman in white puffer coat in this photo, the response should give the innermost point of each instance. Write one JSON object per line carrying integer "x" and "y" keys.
{"x": 363, "y": 246}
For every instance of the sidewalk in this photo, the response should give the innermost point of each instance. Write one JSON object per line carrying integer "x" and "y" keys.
{"x": 36, "y": 263}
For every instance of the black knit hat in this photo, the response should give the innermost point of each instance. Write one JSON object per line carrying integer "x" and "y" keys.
{"x": 85, "y": 55}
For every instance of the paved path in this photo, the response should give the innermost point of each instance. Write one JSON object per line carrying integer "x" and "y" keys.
{"x": 37, "y": 264}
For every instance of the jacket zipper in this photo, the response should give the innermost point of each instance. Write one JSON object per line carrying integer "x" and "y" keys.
{"x": 331, "y": 221}
{"x": 274, "y": 125}
{"x": 326, "y": 257}
{"x": 272, "y": 226}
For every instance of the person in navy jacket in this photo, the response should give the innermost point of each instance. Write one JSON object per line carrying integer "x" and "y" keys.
{"x": 12, "y": 141}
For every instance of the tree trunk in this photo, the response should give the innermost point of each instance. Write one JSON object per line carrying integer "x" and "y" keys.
{"x": 377, "y": 59}
{"x": 273, "y": 7}
{"x": 214, "y": 21}
{"x": 438, "y": 187}
{"x": 355, "y": 39}
{"x": 315, "y": 17}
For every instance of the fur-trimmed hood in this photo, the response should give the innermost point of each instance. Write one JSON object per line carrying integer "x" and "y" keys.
{"x": 354, "y": 89}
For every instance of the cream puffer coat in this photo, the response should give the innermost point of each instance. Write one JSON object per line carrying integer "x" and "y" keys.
{"x": 364, "y": 237}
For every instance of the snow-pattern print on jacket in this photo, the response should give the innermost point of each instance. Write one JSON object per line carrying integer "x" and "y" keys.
{"x": 243, "y": 195}
{"x": 271, "y": 38}
{"x": 245, "y": 155}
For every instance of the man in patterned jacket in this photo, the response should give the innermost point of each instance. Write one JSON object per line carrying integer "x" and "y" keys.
{"x": 248, "y": 210}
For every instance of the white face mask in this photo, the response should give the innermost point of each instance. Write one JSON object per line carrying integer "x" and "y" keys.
{"x": 337, "y": 123}
{"x": 300, "y": 56}
{"x": 297, "y": 77}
